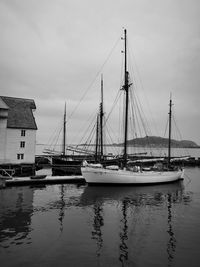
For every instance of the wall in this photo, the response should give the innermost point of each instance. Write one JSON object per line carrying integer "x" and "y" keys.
{"x": 13, "y": 139}
{"x": 3, "y": 125}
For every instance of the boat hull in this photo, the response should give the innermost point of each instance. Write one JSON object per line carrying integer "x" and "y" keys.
{"x": 105, "y": 176}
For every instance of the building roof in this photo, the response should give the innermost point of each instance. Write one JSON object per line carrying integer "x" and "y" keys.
{"x": 3, "y": 104}
{"x": 20, "y": 112}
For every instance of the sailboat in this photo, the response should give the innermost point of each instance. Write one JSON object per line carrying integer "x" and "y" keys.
{"x": 63, "y": 164}
{"x": 97, "y": 174}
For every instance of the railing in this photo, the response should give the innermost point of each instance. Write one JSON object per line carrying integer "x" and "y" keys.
{"x": 7, "y": 172}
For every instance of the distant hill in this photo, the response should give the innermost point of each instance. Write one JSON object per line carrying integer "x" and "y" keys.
{"x": 155, "y": 141}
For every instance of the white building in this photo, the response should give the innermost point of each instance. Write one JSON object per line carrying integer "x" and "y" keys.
{"x": 17, "y": 131}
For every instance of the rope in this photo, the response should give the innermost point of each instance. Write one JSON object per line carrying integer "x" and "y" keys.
{"x": 91, "y": 119}
{"x": 131, "y": 54}
{"x": 97, "y": 74}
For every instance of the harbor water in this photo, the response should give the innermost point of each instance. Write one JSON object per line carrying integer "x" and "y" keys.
{"x": 80, "y": 225}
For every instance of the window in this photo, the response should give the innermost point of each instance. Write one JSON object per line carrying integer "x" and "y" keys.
{"x": 22, "y": 144}
{"x": 23, "y": 132}
{"x": 20, "y": 156}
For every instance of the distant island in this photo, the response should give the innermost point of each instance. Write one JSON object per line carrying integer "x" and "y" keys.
{"x": 155, "y": 141}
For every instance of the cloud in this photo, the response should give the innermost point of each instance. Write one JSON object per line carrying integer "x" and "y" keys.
{"x": 54, "y": 51}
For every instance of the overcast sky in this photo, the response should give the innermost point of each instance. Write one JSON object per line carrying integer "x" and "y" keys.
{"x": 52, "y": 51}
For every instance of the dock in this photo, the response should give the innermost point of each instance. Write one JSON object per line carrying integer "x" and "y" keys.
{"x": 47, "y": 180}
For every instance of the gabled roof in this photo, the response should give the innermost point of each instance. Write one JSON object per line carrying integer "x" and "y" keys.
{"x": 3, "y": 104}
{"x": 20, "y": 114}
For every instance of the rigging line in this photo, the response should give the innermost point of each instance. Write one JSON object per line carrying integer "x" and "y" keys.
{"x": 131, "y": 147}
{"x": 140, "y": 113}
{"x": 104, "y": 134}
{"x": 136, "y": 100}
{"x": 114, "y": 103}
{"x": 53, "y": 136}
{"x": 179, "y": 136}
{"x": 133, "y": 112}
{"x": 175, "y": 134}
{"x": 138, "y": 123}
{"x": 166, "y": 127}
{"x": 91, "y": 119}
{"x": 97, "y": 74}
{"x": 133, "y": 124}
{"x": 57, "y": 138}
{"x": 142, "y": 87}
{"x": 132, "y": 75}
{"x": 160, "y": 149}
{"x": 108, "y": 125}
{"x": 120, "y": 128}
{"x": 113, "y": 148}
{"x": 91, "y": 133}
{"x": 89, "y": 147}
{"x": 142, "y": 121}
{"x": 176, "y": 126}
{"x": 138, "y": 120}
{"x": 90, "y": 141}
{"x": 118, "y": 93}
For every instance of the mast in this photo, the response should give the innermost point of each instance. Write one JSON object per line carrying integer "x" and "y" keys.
{"x": 169, "y": 140}
{"x": 101, "y": 119}
{"x": 64, "y": 131}
{"x": 97, "y": 139}
{"x": 125, "y": 87}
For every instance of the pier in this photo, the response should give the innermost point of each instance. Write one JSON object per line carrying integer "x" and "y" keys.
{"x": 47, "y": 180}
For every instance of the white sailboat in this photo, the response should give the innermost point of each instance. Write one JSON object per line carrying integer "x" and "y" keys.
{"x": 97, "y": 174}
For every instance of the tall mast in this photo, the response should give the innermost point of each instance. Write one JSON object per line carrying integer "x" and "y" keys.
{"x": 125, "y": 87}
{"x": 101, "y": 118}
{"x": 97, "y": 139}
{"x": 169, "y": 140}
{"x": 64, "y": 131}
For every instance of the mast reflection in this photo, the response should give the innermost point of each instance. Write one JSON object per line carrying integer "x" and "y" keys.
{"x": 98, "y": 222}
{"x": 171, "y": 245}
{"x": 62, "y": 207}
{"x": 128, "y": 199}
{"x": 124, "y": 233}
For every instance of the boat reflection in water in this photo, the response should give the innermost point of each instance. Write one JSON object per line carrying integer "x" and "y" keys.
{"x": 72, "y": 225}
{"x": 136, "y": 206}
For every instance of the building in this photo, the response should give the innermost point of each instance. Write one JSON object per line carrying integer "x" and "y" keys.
{"x": 17, "y": 133}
